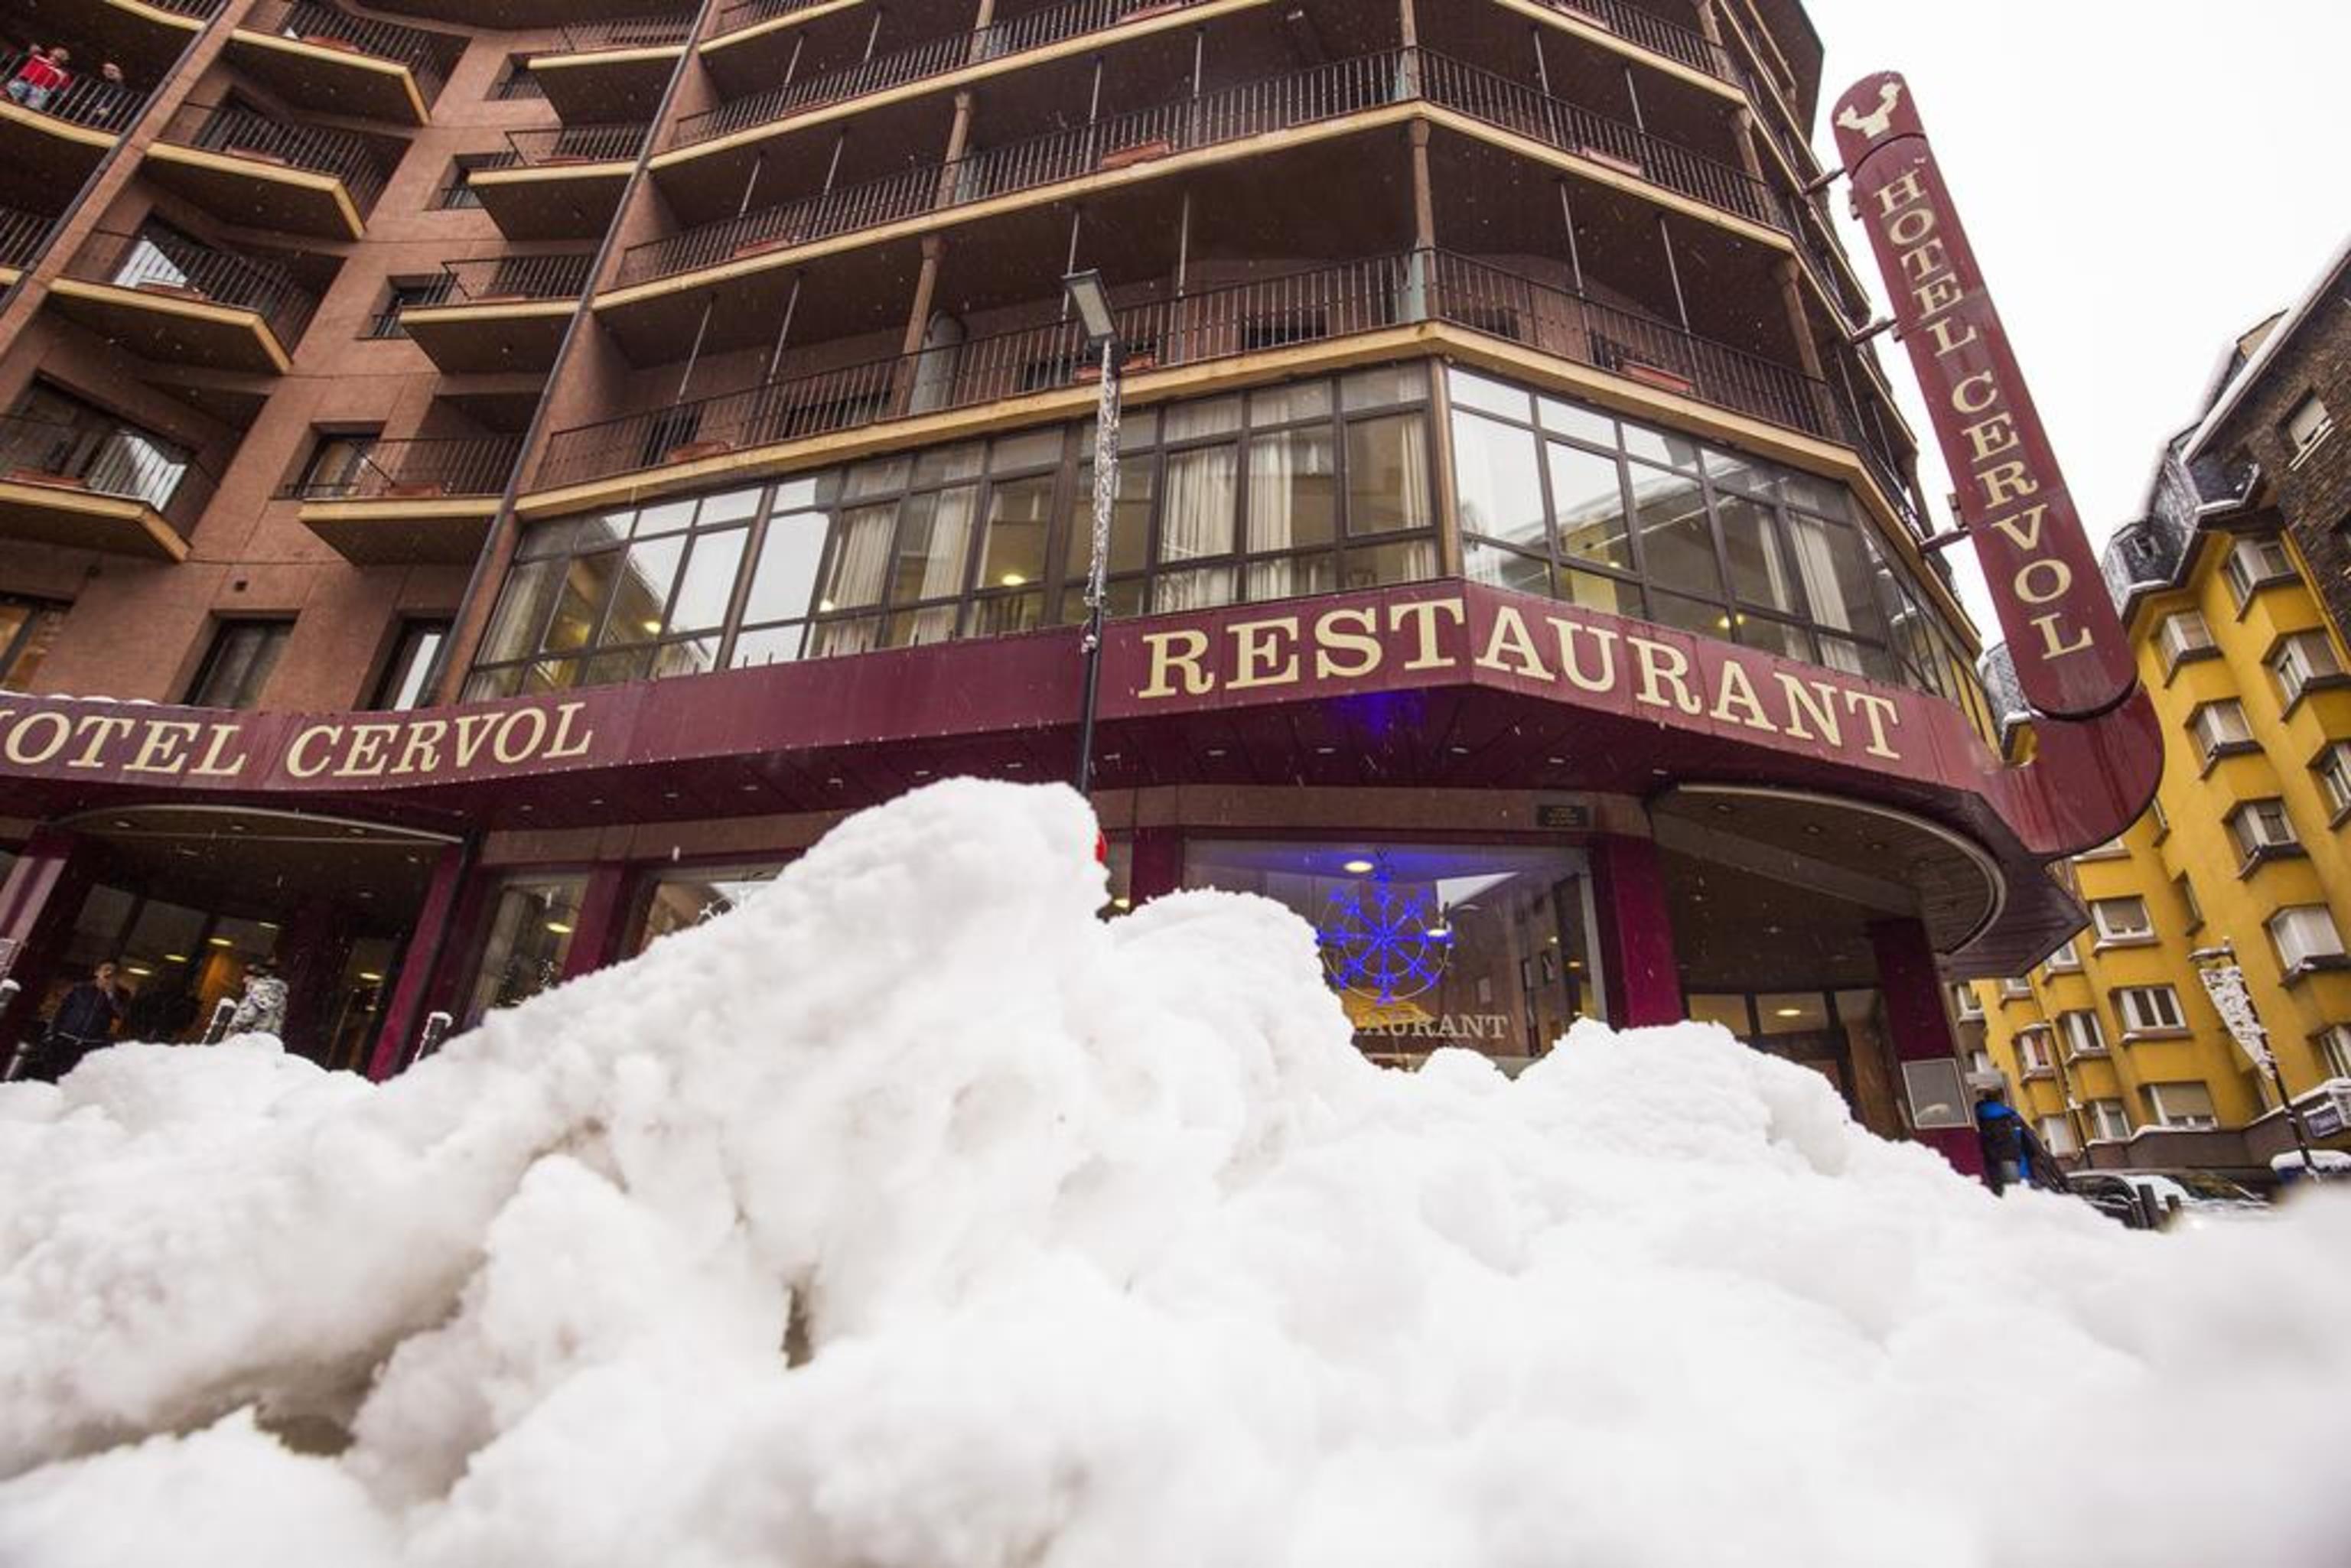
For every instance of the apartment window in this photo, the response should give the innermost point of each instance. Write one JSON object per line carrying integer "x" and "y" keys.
{"x": 2188, "y": 1105}
{"x": 237, "y": 665}
{"x": 51, "y": 432}
{"x": 2056, "y": 1135}
{"x": 2187, "y": 900}
{"x": 2121, "y": 919}
{"x": 516, "y": 80}
{"x": 457, "y": 189}
{"x": 1964, "y": 1002}
{"x": 2114, "y": 848}
{"x": 2333, "y": 769}
{"x": 2305, "y": 426}
{"x": 1979, "y": 1061}
{"x": 2261, "y": 830}
{"x": 2067, "y": 959}
{"x": 2185, "y": 636}
{"x": 2333, "y": 1045}
{"x": 2255, "y": 564}
{"x": 2083, "y": 1034}
{"x": 2109, "y": 1122}
{"x": 2148, "y": 1008}
{"x": 337, "y": 462}
{"x": 29, "y": 630}
{"x": 2160, "y": 818}
{"x": 2219, "y": 728}
{"x": 405, "y": 293}
{"x": 2032, "y": 1050}
{"x": 2304, "y": 937}
{"x": 405, "y": 674}
{"x": 2300, "y": 660}
{"x": 2016, "y": 986}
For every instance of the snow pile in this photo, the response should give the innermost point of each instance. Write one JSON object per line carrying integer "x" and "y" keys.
{"x": 913, "y": 1217}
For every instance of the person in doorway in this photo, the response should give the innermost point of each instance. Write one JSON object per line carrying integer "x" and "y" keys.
{"x": 2004, "y": 1136}
{"x": 262, "y": 1009}
{"x": 84, "y": 1022}
{"x": 40, "y": 78}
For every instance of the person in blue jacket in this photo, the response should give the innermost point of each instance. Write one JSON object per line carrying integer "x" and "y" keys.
{"x": 2007, "y": 1143}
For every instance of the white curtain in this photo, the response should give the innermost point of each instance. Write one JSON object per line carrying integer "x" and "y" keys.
{"x": 1197, "y": 521}
{"x": 1815, "y": 550}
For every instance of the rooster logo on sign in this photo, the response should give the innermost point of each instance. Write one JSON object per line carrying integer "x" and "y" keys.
{"x": 1880, "y": 120}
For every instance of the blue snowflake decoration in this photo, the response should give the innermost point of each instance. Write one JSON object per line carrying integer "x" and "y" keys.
{"x": 1382, "y": 943}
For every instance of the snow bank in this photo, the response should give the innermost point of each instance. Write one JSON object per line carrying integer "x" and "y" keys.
{"x": 910, "y": 1215}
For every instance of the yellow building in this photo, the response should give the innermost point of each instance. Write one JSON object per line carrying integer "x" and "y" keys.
{"x": 2112, "y": 1047}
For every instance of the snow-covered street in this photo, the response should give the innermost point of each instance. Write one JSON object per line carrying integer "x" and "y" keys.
{"x": 914, "y": 1217}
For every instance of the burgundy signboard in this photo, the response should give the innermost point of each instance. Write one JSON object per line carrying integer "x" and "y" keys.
{"x": 2071, "y": 655}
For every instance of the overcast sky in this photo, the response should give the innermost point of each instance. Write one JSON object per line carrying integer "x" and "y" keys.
{"x": 2142, "y": 183}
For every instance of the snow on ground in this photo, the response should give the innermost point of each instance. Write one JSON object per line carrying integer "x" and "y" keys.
{"x": 913, "y": 1217}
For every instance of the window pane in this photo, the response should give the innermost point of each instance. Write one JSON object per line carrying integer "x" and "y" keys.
{"x": 666, "y": 519}
{"x": 1501, "y": 490}
{"x": 1506, "y": 568}
{"x": 1198, "y": 520}
{"x": 1382, "y": 386}
{"x": 941, "y": 464}
{"x": 587, "y": 583}
{"x": 1001, "y": 614}
{"x": 861, "y": 559}
{"x": 1407, "y": 560}
{"x": 1760, "y": 570}
{"x": 1019, "y": 514}
{"x": 732, "y": 506}
{"x": 402, "y": 686}
{"x": 1387, "y": 474}
{"x": 694, "y": 656}
{"x": 644, "y": 591}
{"x": 1676, "y": 545}
{"x": 1590, "y": 591}
{"x": 513, "y": 627}
{"x": 1130, "y": 520}
{"x": 1835, "y": 564}
{"x": 786, "y": 575}
{"x": 1775, "y": 637}
{"x": 1587, "y": 495}
{"x": 1185, "y": 421}
{"x": 1292, "y": 576}
{"x": 1286, "y": 405}
{"x": 768, "y": 645}
{"x": 1202, "y": 589}
{"x": 932, "y": 534}
{"x": 709, "y": 580}
{"x": 1574, "y": 419}
{"x": 1293, "y": 498}
{"x": 1470, "y": 391}
{"x": 1660, "y": 447}
{"x": 1689, "y": 614}
{"x": 1032, "y": 449}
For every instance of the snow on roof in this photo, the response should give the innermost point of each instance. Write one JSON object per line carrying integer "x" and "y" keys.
{"x": 915, "y": 1217}
{"x": 2319, "y": 292}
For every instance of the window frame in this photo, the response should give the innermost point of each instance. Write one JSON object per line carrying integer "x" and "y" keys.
{"x": 2206, "y": 1120}
{"x": 2179, "y": 650}
{"x": 2302, "y": 959}
{"x": 2103, "y": 1116}
{"x": 412, "y": 635}
{"x": 277, "y": 631}
{"x": 2249, "y": 572}
{"x": 2295, "y": 672}
{"x": 43, "y": 618}
{"x": 2108, "y": 936}
{"x": 2084, "y": 1033}
{"x": 2211, "y": 749}
{"x": 2142, "y": 1009}
{"x": 2303, "y": 437}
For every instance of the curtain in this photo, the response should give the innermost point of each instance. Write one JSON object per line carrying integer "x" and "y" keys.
{"x": 1197, "y": 521}
{"x": 1816, "y": 564}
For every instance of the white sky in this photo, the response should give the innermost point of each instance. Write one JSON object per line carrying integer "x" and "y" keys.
{"x": 2141, "y": 181}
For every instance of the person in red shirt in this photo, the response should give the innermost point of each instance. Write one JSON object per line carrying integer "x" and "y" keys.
{"x": 39, "y": 79}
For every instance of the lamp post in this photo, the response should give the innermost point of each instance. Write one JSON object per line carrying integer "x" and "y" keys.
{"x": 1092, "y": 302}
{"x": 2224, "y": 982}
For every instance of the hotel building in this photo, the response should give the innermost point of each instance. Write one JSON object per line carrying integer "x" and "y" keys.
{"x": 542, "y": 467}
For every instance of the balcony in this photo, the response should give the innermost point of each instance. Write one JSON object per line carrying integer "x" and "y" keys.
{"x": 562, "y": 182}
{"x": 22, "y": 236}
{"x": 315, "y": 57}
{"x": 1617, "y": 22}
{"x": 499, "y": 313}
{"x": 100, "y": 484}
{"x": 168, "y": 299}
{"x": 612, "y": 71}
{"x": 257, "y": 171}
{"x": 406, "y": 502}
{"x": 956, "y": 56}
{"x": 752, "y": 43}
{"x": 1644, "y": 360}
{"x": 51, "y": 139}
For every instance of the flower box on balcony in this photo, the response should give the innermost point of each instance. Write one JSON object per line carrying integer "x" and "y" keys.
{"x": 328, "y": 41}
{"x": 696, "y": 451}
{"x": 1592, "y": 18}
{"x": 1090, "y": 371}
{"x": 1656, "y": 376}
{"x": 420, "y": 491}
{"x": 1616, "y": 160}
{"x": 169, "y": 290}
{"x": 1160, "y": 9}
{"x": 1138, "y": 153}
{"x": 258, "y": 155}
{"x": 783, "y": 241}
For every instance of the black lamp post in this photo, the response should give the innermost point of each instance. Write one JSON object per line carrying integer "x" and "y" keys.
{"x": 1092, "y": 303}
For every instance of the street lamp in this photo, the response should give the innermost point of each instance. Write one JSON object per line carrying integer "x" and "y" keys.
{"x": 2224, "y": 982}
{"x": 1090, "y": 301}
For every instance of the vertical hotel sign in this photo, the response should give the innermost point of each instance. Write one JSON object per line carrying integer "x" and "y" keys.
{"x": 2071, "y": 655}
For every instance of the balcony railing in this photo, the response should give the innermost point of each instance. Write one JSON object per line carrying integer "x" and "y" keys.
{"x": 1341, "y": 87}
{"x": 741, "y": 14}
{"x": 422, "y": 469}
{"x": 556, "y": 145}
{"x": 240, "y": 133}
{"x": 174, "y": 266}
{"x": 504, "y": 279}
{"x": 187, "y": 7}
{"x": 1331, "y": 302}
{"x": 106, "y": 457}
{"x": 1651, "y": 32}
{"x": 22, "y": 234}
{"x": 67, "y": 92}
{"x": 934, "y": 58}
{"x": 626, "y": 33}
{"x": 429, "y": 56}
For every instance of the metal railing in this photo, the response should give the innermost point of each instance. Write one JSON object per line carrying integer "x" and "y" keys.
{"x": 1231, "y": 114}
{"x": 1651, "y": 32}
{"x": 417, "y": 469}
{"x": 1350, "y": 298}
{"x": 22, "y": 234}
{"x": 429, "y": 56}
{"x": 742, "y": 14}
{"x": 353, "y": 160}
{"x": 499, "y": 279}
{"x": 67, "y": 92}
{"x": 174, "y": 266}
{"x": 107, "y": 457}
{"x": 625, "y": 33}
{"x": 554, "y": 145}
{"x": 187, "y": 7}
{"x": 935, "y": 57}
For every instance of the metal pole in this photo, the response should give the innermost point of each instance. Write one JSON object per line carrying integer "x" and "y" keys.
{"x": 1098, "y": 562}
{"x": 2224, "y": 982}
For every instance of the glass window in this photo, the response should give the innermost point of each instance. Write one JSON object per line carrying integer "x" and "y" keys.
{"x": 529, "y": 938}
{"x": 29, "y": 630}
{"x": 2305, "y": 425}
{"x": 708, "y": 583}
{"x": 238, "y": 664}
{"x": 2146, "y": 1008}
{"x": 412, "y": 653}
{"x": 640, "y": 592}
{"x": 1760, "y": 572}
{"x": 2121, "y": 919}
{"x": 1587, "y": 497}
{"x": 1500, "y": 481}
{"x": 2300, "y": 659}
{"x": 2188, "y": 1104}
{"x": 2259, "y": 826}
{"x": 1676, "y": 545}
{"x": 587, "y": 585}
{"x": 1484, "y": 947}
{"x": 1294, "y": 496}
{"x": 531, "y": 589}
{"x": 2305, "y": 936}
{"x": 1130, "y": 522}
{"x": 675, "y": 900}
{"x": 1019, "y": 513}
{"x": 785, "y": 579}
{"x": 1198, "y": 519}
{"x": 1387, "y": 474}
{"x": 2220, "y": 726}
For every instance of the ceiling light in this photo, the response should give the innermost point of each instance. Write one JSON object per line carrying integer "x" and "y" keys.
{"x": 220, "y": 942}
{"x": 1356, "y": 867}
{"x": 1787, "y": 1012}
{"x": 1012, "y": 580}
{"x": 559, "y": 928}
{"x": 1121, "y": 904}
{"x": 175, "y": 958}
{"x": 137, "y": 970}
{"x": 369, "y": 976}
